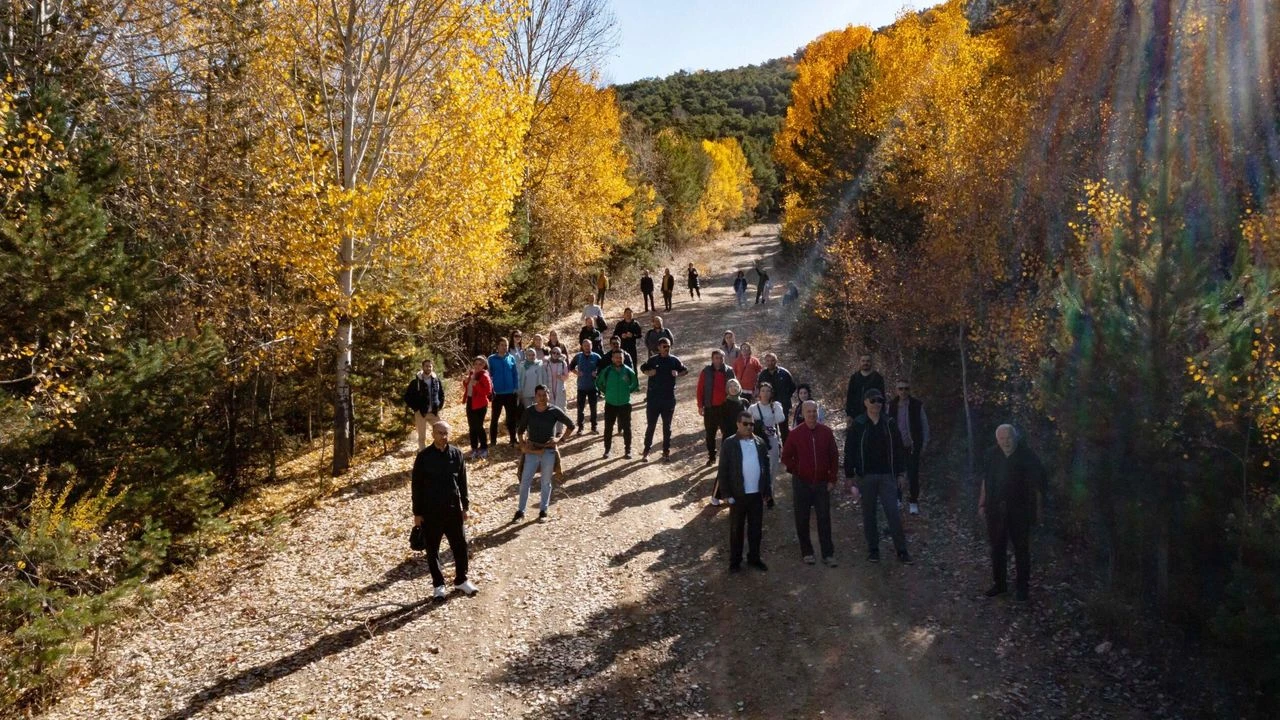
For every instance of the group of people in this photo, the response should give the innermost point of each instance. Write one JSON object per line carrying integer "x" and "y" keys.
{"x": 757, "y": 421}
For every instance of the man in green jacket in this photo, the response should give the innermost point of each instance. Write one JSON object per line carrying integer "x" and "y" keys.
{"x": 616, "y": 382}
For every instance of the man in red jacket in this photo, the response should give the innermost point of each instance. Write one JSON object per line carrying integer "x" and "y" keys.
{"x": 710, "y": 395}
{"x": 811, "y": 456}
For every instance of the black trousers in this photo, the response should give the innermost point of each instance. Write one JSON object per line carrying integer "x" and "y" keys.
{"x": 446, "y": 524}
{"x": 654, "y": 409}
{"x": 913, "y": 473}
{"x": 600, "y": 297}
{"x": 511, "y": 403}
{"x": 666, "y": 301}
{"x": 712, "y": 422}
{"x": 475, "y": 427}
{"x": 882, "y": 490}
{"x": 1007, "y": 526}
{"x": 816, "y": 498}
{"x": 649, "y": 304}
{"x": 587, "y": 397}
{"x": 745, "y": 515}
{"x": 695, "y": 289}
{"x": 785, "y": 427}
{"x": 620, "y": 414}
{"x": 760, "y": 293}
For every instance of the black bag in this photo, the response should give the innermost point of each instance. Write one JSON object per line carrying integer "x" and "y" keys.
{"x": 417, "y": 538}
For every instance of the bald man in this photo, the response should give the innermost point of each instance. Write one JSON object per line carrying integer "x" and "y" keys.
{"x": 440, "y": 504}
{"x": 1013, "y": 475}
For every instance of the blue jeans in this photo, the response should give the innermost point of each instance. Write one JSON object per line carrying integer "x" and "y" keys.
{"x": 547, "y": 461}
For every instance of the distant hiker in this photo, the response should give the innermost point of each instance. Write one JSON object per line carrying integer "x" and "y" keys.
{"x": 425, "y": 397}
{"x": 873, "y": 455}
{"x": 629, "y": 331}
{"x": 646, "y": 289}
{"x": 744, "y": 478}
{"x": 740, "y": 288}
{"x": 440, "y": 505}
{"x": 862, "y": 380}
{"x": 660, "y": 395}
{"x": 557, "y": 372}
{"x": 477, "y": 390}
{"x": 615, "y": 343}
{"x": 539, "y": 450}
{"x": 553, "y": 341}
{"x": 602, "y": 284}
{"x": 762, "y": 285}
{"x": 803, "y": 393}
{"x": 813, "y": 460}
{"x": 695, "y": 284}
{"x": 532, "y": 374}
{"x": 729, "y": 345}
{"x": 584, "y": 365}
{"x": 1013, "y": 476}
{"x": 668, "y": 289}
{"x": 655, "y": 334}
{"x": 616, "y": 382}
{"x": 784, "y": 388}
{"x": 710, "y": 398}
{"x": 791, "y": 296}
{"x": 770, "y": 419}
{"x": 506, "y": 388}
{"x": 908, "y": 413}
{"x": 588, "y": 331}
{"x": 747, "y": 369}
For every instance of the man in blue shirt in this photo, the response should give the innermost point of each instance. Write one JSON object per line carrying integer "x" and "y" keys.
{"x": 584, "y": 365}
{"x": 506, "y": 388}
{"x": 660, "y": 396}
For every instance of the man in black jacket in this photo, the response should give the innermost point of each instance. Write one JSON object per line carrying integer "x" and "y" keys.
{"x": 660, "y": 395}
{"x": 440, "y": 505}
{"x": 745, "y": 479}
{"x": 873, "y": 455}
{"x": 1012, "y": 478}
{"x": 425, "y": 397}
{"x": 646, "y": 289}
{"x": 628, "y": 331}
{"x": 862, "y": 380}
{"x": 784, "y": 387}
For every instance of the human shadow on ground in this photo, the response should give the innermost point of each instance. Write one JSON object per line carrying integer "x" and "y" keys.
{"x": 259, "y": 676}
{"x": 415, "y": 566}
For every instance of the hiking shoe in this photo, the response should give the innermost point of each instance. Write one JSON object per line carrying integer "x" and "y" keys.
{"x": 543, "y": 516}
{"x": 715, "y": 502}
{"x": 758, "y": 564}
{"x": 518, "y": 516}
{"x": 626, "y": 455}
{"x": 830, "y": 562}
{"x": 644, "y": 456}
{"x": 915, "y": 509}
{"x": 666, "y": 456}
{"x": 809, "y": 560}
{"x": 711, "y": 461}
{"x": 995, "y": 590}
{"x": 441, "y": 593}
{"x": 904, "y": 557}
{"x": 468, "y": 588}
{"x": 594, "y": 431}
{"x": 873, "y": 556}
{"x": 605, "y": 456}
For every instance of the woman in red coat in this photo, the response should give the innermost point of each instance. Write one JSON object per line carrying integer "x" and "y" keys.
{"x": 476, "y": 392}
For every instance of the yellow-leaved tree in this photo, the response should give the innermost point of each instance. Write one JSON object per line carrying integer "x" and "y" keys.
{"x": 391, "y": 161}
{"x": 729, "y": 195}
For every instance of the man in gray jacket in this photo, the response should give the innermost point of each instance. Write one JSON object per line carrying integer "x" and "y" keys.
{"x": 744, "y": 478}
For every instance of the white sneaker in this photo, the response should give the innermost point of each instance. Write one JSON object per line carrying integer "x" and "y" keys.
{"x": 441, "y": 592}
{"x": 715, "y": 501}
{"x": 809, "y": 560}
{"x": 468, "y": 588}
{"x": 915, "y": 509}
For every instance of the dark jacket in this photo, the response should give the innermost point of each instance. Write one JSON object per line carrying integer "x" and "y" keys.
{"x": 1012, "y": 481}
{"x": 668, "y": 284}
{"x": 693, "y": 278}
{"x": 729, "y": 472}
{"x": 425, "y": 395}
{"x": 915, "y": 420}
{"x": 646, "y": 285}
{"x": 633, "y": 327}
{"x": 652, "y": 337}
{"x": 873, "y": 448}
{"x": 439, "y": 481}
{"x": 740, "y": 284}
{"x": 733, "y": 404}
{"x": 859, "y": 384}
{"x": 597, "y": 340}
{"x": 762, "y": 277}
{"x": 784, "y": 386}
{"x": 662, "y": 387}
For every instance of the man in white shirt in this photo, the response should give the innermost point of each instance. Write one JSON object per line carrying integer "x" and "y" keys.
{"x": 744, "y": 477}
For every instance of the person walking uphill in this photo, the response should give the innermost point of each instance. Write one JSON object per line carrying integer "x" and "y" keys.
{"x": 1012, "y": 478}
{"x": 425, "y": 397}
{"x": 811, "y": 456}
{"x": 862, "y": 380}
{"x": 539, "y": 450}
{"x": 908, "y": 412}
{"x": 710, "y": 396}
{"x": 873, "y": 454}
{"x": 584, "y": 365}
{"x": 744, "y": 475}
{"x": 506, "y": 389}
{"x": 694, "y": 281}
{"x": 646, "y": 289}
{"x": 660, "y": 396}
{"x": 616, "y": 382}
{"x": 477, "y": 389}
{"x": 440, "y": 505}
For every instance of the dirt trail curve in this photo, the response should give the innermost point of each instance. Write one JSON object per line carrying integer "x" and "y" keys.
{"x": 621, "y": 606}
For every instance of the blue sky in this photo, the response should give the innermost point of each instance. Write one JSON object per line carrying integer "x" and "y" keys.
{"x": 659, "y": 37}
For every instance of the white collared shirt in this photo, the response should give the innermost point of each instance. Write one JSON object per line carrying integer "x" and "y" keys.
{"x": 750, "y": 466}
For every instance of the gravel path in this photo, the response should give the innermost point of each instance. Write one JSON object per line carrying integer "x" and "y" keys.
{"x": 620, "y": 606}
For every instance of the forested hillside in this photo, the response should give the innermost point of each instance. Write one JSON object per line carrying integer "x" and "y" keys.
{"x": 746, "y": 103}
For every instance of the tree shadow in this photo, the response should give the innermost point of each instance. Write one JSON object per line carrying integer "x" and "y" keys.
{"x": 415, "y": 566}
{"x": 377, "y": 486}
{"x": 255, "y": 678}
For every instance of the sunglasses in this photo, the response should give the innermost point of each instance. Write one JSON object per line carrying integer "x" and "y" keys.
{"x": 744, "y": 423}
{"x": 876, "y": 401}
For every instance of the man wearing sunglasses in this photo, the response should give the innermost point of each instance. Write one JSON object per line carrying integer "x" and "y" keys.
{"x": 874, "y": 456}
{"x": 745, "y": 480}
{"x": 908, "y": 412}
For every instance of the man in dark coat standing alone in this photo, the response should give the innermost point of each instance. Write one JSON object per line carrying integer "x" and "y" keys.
{"x": 646, "y": 289}
{"x": 440, "y": 504}
{"x": 1013, "y": 475}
